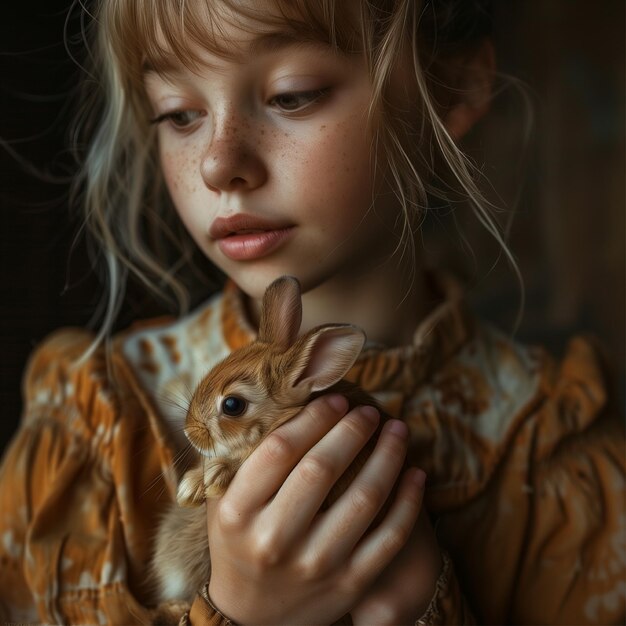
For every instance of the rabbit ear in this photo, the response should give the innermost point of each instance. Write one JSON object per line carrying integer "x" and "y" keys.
{"x": 281, "y": 314}
{"x": 324, "y": 356}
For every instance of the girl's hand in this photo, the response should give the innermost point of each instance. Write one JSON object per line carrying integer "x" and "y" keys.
{"x": 274, "y": 557}
{"x": 405, "y": 588}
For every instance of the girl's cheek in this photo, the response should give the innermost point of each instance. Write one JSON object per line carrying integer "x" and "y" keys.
{"x": 179, "y": 166}
{"x": 315, "y": 155}
{"x": 338, "y": 162}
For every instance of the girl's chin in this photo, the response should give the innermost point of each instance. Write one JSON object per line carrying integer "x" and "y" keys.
{"x": 254, "y": 280}
{"x": 254, "y": 276}
{"x": 254, "y": 283}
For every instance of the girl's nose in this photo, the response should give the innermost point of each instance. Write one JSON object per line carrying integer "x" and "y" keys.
{"x": 230, "y": 163}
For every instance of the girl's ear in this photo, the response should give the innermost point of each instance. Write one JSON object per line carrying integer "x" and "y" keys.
{"x": 468, "y": 80}
{"x": 324, "y": 356}
{"x": 281, "y": 313}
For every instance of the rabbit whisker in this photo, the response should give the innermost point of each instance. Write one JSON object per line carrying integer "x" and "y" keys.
{"x": 166, "y": 398}
{"x": 153, "y": 483}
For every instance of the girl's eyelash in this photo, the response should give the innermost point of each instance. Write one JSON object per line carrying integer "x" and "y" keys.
{"x": 171, "y": 116}
{"x": 158, "y": 119}
{"x": 306, "y": 98}
{"x": 309, "y": 97}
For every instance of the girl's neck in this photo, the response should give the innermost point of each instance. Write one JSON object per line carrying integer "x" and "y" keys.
{"x": 386, "y": 308}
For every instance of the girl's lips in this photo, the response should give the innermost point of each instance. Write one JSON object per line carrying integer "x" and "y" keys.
{"x": 242, "y": 224}
{"x": 253, "y": 245}
{"x": 244, "y": 237}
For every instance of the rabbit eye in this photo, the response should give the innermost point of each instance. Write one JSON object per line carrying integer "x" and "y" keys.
{"x": 233, "y": 406}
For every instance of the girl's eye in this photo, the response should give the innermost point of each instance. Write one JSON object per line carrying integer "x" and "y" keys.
{"x": 297, "y": 101}
{"x": 232, "y": 406}
{"x": 179, "y": 119}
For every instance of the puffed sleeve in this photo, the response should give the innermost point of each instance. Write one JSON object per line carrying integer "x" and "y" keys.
{"x": 573, "y": 569}
{"x": 62, "y": 557}
{"x": 16, "y": 600}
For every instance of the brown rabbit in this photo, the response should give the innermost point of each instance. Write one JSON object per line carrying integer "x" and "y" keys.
{"x": 242, "y": 399}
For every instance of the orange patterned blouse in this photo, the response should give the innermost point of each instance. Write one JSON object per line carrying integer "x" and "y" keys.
{"x": 524, "y": 456}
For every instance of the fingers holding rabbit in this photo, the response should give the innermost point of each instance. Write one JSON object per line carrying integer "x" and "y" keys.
{"x": 275, "y": 557}
{"x": 268, "y": 467}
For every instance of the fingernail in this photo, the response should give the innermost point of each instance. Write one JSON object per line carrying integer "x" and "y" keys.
{"x": 337, "y": 402}
{"x": 397, "y": 427}
{"x": 369, "y": 413}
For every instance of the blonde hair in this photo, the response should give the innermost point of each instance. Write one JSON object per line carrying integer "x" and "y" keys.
{"x": 127, "y": 213}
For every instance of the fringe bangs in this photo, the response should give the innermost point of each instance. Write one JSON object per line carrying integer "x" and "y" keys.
{"x": 154, "y": 34}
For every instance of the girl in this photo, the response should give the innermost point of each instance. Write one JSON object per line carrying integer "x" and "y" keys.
{"x": 306, "y": 138}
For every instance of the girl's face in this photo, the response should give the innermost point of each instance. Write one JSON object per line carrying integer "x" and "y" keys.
{"x": 268, "y": 162}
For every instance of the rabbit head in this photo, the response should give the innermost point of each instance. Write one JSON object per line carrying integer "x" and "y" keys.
{"x": 262, "y": 385}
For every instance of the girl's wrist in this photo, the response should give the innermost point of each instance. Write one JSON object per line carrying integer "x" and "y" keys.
{"x": 204, "y": 612}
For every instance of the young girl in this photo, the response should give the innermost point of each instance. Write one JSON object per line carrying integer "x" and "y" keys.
{"x": 306, "y": 138}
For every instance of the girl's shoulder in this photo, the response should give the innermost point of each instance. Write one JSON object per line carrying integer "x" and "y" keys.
{"x": 571, "y": 391}
{"x": 522, "y": 389}
{"x": 72, "y": 390}
{"x": 499, "y": 403}
{"x": 71, "y": 374}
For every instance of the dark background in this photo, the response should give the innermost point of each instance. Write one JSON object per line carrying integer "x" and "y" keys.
{"x": 568, "y": 233}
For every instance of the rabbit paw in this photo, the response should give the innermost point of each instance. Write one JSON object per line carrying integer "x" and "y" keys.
{"x": 217, "y": 477}
{"x": 210, "y": 481}
{"x": 191, "y": 488}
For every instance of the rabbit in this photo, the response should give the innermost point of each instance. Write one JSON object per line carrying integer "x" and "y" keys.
{"x": 239, "y": 402}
